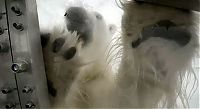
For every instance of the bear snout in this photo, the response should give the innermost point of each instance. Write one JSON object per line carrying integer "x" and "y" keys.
{"x": 78, "y": 19}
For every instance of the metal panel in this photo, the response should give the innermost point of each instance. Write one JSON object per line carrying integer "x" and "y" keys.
{"x": 26, "y": 47}
{"x": 183, "y": 4}
{"x": 9, "y": 93}
{"x": 21, "y": 66}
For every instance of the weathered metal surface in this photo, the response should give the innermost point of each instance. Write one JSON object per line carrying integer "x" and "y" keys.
{"x": 22, "y": 75}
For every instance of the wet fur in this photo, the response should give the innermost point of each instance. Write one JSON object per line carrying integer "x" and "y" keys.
{"x": 64, "y": 70}
{"x": 156, "y": 67}
{"x": 150, "y": 74}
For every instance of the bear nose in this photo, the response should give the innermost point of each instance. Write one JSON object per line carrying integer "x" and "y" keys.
{"x": 78, "y": 19}
{"x": 76, "y": 15}
{"x": 70, "y": 53}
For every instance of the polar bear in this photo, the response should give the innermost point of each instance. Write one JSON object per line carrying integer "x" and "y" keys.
{"x": 73, "y": 47}
{"x": 158, "y": 44}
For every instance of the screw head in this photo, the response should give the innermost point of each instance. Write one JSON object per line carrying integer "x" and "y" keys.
{"x": 20, "y": 66}
{"x": 30, "y": 104}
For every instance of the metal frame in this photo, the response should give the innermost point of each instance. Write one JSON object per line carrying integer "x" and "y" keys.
{"x": 24, "y": 56}
{"x": 183, "y": 4}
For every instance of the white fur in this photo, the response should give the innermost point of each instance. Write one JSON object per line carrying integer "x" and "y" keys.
{"x": 141, "y": 64}
{"x": 139, "y": 82}
{"x": 90, "y": 56}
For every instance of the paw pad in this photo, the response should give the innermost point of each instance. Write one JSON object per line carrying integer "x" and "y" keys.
{"x": 68, "y": 54}
{"x": 57, "y": 44}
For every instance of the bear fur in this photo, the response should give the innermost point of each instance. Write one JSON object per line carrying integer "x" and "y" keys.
{"x": 156, "y": 49}
{"x": 154, "y": 63}
{"x": 70, "y": 51}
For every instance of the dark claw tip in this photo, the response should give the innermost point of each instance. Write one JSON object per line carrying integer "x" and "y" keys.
{"x": 57, "y": 44}
{"x": 136, "y": 43}
{"x": 69, "y": 53}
